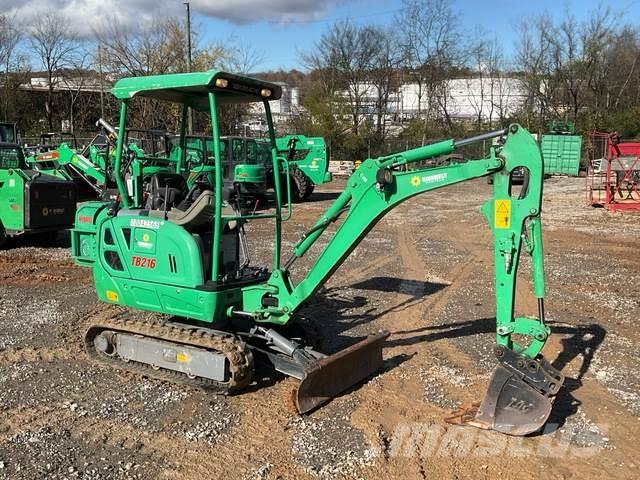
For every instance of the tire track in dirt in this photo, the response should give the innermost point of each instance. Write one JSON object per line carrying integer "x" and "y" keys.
{"x": 432, "y": 307}
{"x": 401, "y": 400}
{"x": 394, "y": 401}
{"x": 232, "y": 455}
{"x": 526, "y": 304}
{"x": 27, "y": 354}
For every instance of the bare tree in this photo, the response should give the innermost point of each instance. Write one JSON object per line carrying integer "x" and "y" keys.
{"x": 564, "y": 65}
{"x": 536, "y": 70}
{"x": 10, "y": 37}
{"x": 78, "y": 79}
{"x": 347, "y": 51}
{"x": 576, "y": 54}
{"x": 430, "y": 39}
{"x": 140, "y": 51}
{"x": 622, "y": 75}
{"x": 478, "y": 84}
{"x": 384, "y": 75}
{"x": 502, "y": 97}
{"x": 55, "y": 46}
{"x": 490, "y": 88}
{"x": 153, "y": 48}
{"x": 241, "y": 58}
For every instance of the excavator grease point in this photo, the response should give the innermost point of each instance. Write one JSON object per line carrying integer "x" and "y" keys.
{"x": 519, "y": 398}
{"x": 332, "y": 375}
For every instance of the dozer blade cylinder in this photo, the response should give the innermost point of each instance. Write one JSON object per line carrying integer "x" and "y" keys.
{"x": 332, "y": 375}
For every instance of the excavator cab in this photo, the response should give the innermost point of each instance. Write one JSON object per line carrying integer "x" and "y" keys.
{"x": 181, "y": 250}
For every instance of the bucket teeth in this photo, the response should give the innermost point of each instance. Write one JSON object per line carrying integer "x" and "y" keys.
{"x": 519, "y": 397}
{"x": 328, "y": 377}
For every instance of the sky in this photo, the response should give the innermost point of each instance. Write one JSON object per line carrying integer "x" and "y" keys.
{"x": 283, "y": 29}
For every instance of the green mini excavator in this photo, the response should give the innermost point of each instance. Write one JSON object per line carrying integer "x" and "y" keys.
{"x": 182, "y": 252}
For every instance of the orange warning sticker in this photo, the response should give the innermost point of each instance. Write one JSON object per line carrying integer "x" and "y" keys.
{"x": 502, "y": 213}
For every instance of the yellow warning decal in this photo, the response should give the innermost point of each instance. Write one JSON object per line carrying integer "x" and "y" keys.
{"x": 502, "y": 213}
{"x": 112, "y": 296}
{"x": 182, "y": 357}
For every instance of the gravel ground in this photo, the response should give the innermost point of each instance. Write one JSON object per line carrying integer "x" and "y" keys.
{"x": 425, "y": 274}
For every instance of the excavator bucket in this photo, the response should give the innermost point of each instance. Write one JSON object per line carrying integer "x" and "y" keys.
{"x": 519, "y": 398}
{"x": 332, "y": 375}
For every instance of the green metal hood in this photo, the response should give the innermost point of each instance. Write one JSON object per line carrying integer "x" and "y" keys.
{"x": 192, "y": 88}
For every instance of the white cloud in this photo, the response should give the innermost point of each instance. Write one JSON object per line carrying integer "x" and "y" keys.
{"x": 87, "y": 15}
{"x": 246, "y": 11}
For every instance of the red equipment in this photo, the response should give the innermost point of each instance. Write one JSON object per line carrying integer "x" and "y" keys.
{"x": 613, "y": 172}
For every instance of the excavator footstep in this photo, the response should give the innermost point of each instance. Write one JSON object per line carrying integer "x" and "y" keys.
{"x": 332, "y": 375}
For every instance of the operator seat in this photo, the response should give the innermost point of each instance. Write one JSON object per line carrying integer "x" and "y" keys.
{"x": 167, "y": 191}
{"x": 199, "y": 212}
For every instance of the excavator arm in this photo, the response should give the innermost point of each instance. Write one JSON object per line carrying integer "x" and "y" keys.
{"x": 518, "y": 401}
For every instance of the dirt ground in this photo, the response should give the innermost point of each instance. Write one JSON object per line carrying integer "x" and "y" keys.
{"x": 425, "y": 274}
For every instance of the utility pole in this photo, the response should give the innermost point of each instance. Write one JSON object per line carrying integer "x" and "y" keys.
{"x": 188, "y": 25}
{"x": 101, "y": 82}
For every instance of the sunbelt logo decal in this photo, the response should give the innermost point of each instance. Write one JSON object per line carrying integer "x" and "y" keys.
{"x": 52, "y": 211}
{"x": 437, "y": 177}
{"x": 145, "y": 241}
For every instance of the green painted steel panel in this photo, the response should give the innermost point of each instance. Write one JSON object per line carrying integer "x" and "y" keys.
{"x": 561, "y": 154}
{"x": 192, "y": 88}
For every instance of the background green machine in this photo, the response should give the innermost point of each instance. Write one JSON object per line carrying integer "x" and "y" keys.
{"x": 243, "y": 162}
{"x": 308, "y": 164}
{"x": 32, "y": 202}
{"x": 8, "y": 132}
{"x": 64, "y": 157}
{"x": 247, "y": 162}
{"x": 183, "y": 254}
{"x": 91, "y": 167}
{"x": 561, "y": 149}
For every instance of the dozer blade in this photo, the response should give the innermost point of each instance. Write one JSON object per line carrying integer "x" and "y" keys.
{"x": 519, "y": 397}
{"x": 332, "y": 375}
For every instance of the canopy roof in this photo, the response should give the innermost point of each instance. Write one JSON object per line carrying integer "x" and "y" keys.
{"x": 193, "y": 88}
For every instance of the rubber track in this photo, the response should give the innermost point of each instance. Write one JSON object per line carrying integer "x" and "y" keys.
{"x": 240, "y": 358}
